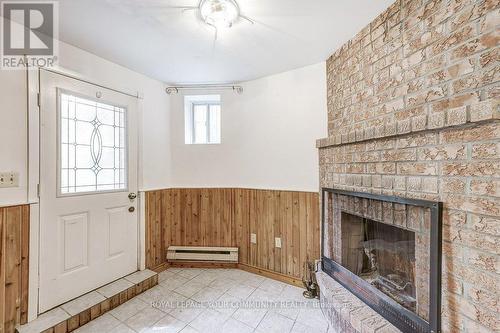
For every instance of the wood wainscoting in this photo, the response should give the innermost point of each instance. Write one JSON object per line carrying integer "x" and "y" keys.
{"x": 14, "y": 252}
{"x": 196, "y": 217}
{"x": 227, "y": 217}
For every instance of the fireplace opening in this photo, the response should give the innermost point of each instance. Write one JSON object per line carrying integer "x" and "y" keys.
{"x": 386, "y": 250}
{"x": 382, "y": 255}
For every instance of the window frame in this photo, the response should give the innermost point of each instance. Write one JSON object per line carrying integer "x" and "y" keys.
{"x": 190, "y": 124}
{"x": 209, "y": 105}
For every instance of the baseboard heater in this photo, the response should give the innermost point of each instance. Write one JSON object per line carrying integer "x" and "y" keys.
{"x": 199, "y": 253}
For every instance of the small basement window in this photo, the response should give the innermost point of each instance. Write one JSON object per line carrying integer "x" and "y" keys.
{"x": 202, "y": 119}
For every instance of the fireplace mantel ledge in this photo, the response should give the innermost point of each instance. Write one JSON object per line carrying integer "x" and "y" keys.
{"x": 347, "y": 313}
{"x": 481, "y": 112}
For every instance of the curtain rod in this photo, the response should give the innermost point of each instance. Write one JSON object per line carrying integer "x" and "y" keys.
{"x": 175, "y": 89}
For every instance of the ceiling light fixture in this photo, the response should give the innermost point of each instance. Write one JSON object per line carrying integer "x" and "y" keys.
{"x": 219, "y": 13}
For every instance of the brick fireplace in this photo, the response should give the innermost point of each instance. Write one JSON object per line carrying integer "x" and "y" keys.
{"x": 413, "y": 112}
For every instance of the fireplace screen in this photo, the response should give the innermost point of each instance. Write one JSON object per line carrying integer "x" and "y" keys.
{"x": 382, "y": 255}
{"x": 386, "y": 250}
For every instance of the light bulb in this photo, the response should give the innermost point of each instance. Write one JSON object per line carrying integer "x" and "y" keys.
{"x": 219, "y": 13}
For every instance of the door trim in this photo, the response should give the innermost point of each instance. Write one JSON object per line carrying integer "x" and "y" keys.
{"x": 33, "y": 160}
{"x": 76, "y": 76}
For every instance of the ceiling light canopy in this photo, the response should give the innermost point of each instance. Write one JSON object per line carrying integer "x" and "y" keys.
{"x": 219, "y": 13}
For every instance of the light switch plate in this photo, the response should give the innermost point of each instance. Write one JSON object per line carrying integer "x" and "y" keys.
{"x": 253, "y": 238}
{"x": 9, "y": 179}
{"x": 277, "y": 242}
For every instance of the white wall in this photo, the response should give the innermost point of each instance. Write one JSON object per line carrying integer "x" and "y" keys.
{"x": 13, "y": 133}
{"x": 268, "y": 135}
{"x": 156, "y": 157}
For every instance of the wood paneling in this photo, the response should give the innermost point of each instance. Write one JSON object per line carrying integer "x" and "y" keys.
{"x": 155, "y": 229}
{"x": 226, "y": 217}
{"x": 14, "y": 252}
{"x": 292, "y": 216}
{"x": 196, "y": 217}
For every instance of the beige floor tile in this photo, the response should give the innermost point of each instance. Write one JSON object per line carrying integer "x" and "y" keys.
{"x": 122, "y": 328}
{"x": 129, "y": 309}
{"x": 241, "y": 291}
{"x": 140, "y": 276}
{"x": 114, "y": 288}
{"x": 83, "y": 303}
{"x": 205, "y": 277}
{"x": 301, "y": 328}
{"x": 209, "y": 321}
{"x": 207, "y": 294}
{"x": 190, "y": 273}
{"x": 275, "y": 323}
{"x": 174, "y": 282}
{"x": 189, "y": 329}
{"x": 223, "y": 283}
{"x": 144, "y": 319}
{"x": 104, "y": 323}
{"x": 166, "y": 274}
{"x": 189, "y": 289}
{"x": 167, "y": 324}
{"x": 227, "y": 304}
{"x": 187, "y": 314}
{"x": 44, "y": 321}
{"x": 273, "y": 286}
{"x": 313, "y": 318}
{"x": 250, "y": 317}
{"x": 234, "y": 326}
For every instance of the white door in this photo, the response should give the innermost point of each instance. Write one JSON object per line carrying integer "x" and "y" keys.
{"x": 88, "y": 180}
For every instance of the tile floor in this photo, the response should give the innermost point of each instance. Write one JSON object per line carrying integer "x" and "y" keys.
{"x": 191, "y": 300}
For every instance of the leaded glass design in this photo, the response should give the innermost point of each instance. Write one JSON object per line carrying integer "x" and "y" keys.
{"x": 92, "y": 146}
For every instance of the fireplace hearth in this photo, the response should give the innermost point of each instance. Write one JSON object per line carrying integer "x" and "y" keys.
{"x": 387, "y": 251}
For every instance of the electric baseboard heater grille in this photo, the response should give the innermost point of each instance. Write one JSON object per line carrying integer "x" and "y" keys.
{"x": 199, "y": 253}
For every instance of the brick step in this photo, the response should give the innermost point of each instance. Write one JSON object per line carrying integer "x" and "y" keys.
{"x": 80, "y": 311}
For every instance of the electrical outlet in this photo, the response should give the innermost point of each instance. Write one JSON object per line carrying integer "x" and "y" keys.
{"x": 253, "y": 238}
{"x": 277, "y": 242}
{"x": 9, "y": 179}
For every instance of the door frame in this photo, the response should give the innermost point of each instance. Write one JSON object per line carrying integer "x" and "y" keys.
{"x": 33, "y": 123}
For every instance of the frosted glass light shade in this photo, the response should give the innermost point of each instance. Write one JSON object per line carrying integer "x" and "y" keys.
{"x": 219, "y": 13}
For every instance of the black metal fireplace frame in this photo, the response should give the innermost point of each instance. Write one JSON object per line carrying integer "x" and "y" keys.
{"x": 405, "y": 320}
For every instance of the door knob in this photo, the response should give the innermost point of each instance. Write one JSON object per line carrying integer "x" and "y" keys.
{"x": 131, "y": 209}
{"x": 132, "y": 196}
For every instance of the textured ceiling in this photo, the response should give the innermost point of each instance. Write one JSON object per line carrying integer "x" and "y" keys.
{"x": 175, "y": 46}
